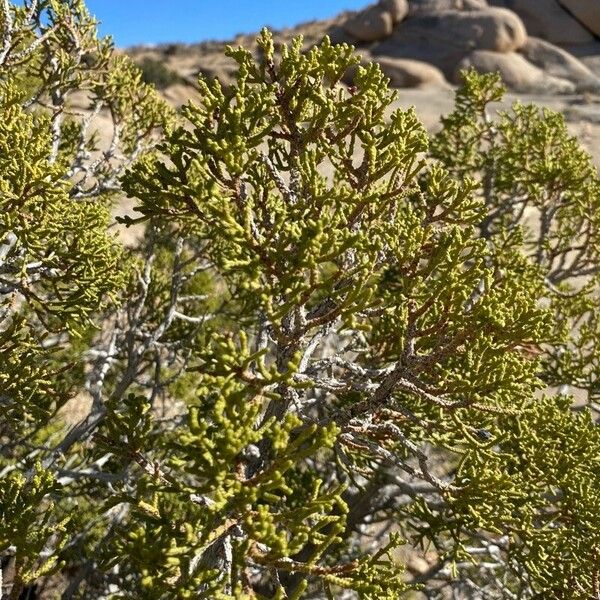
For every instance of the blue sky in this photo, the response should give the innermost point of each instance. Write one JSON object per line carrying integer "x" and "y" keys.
{"x": 155, "y": 21}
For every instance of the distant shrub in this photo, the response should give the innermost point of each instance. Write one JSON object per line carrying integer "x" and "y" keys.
{"x": 173, "y": 49}
{"x": 155, "y": 72}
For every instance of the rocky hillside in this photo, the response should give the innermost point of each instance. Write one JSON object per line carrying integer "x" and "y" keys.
{"x": 541, "y": 46}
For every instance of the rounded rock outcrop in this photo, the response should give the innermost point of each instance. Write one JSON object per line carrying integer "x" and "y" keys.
{"x": 428, "y": 7}
{"x": 490, "y": 28}
{"x": 516, "y": 71}
{"x": 559, "y": 63}
{"x": 371, "y": 24}
{"x": 398, "y": 9}
{"x": 547, "y": 19}
{"x": 443, "y": 39}
{"x": 404, "y": 72}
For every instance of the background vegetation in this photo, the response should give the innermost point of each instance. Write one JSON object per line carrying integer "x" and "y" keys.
{"x": 157, "y": 74}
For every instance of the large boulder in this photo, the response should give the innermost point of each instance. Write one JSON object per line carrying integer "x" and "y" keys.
{"x": 587, "y": 12}
{"x": 474, "y": 4}
{"x": 398, "y": 9}
{"x": 369, "y": 25}
{"x": 557, "y": 62}
{"x": 404, "y": 72}
{"x": 548, "y": 20}
{"x": 516, "y": 71}
{"x": 486, "y": 29}
{"x": 445, "y": 38}
{"x": 412, "y": 41}
{"x": 428, "y": 7}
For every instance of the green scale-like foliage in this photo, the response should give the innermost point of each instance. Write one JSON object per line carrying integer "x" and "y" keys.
{"x": 25, "y": 500}
{"x": 334, "y": 338}
{"x": 323, "y": 214}
{"x": 542, "y": 195}
{"x": 60, "y": 265}
{"x": 60, "y": 245}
